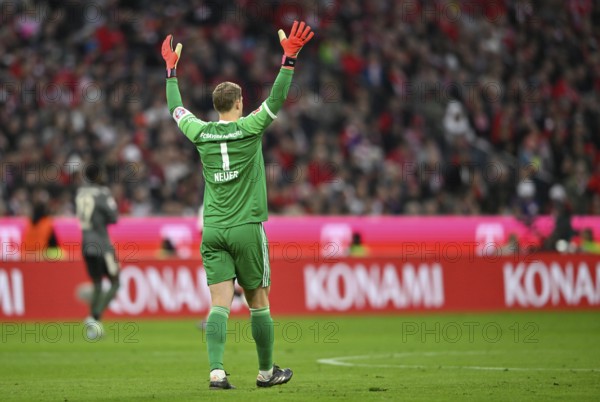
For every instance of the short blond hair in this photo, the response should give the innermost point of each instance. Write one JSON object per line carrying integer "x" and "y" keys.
{"x": 225, "y": 95}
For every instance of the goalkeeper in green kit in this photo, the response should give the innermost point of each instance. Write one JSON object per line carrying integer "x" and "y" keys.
{"x": 234, "y": 244}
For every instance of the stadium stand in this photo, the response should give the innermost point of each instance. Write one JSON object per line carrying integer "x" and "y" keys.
{"x": 400, "y": 107}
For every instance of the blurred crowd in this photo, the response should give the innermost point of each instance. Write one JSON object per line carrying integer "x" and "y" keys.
{"x": 397, "y": 107}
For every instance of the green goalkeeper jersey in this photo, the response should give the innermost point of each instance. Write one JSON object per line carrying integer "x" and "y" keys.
{"x": 231, "y": 153}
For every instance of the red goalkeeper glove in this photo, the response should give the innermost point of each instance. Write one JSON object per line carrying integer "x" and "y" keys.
{"x": 299, "y": 36}
{"x": 171, "y": 56}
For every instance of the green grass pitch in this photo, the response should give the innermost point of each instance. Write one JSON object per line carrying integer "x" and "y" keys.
{"x": 528, "y": 356}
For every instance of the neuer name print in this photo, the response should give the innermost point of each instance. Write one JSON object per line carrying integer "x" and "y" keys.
{"x": 226, "y": 176}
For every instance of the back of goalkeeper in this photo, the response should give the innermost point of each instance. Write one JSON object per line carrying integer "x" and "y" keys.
{"x": 234, "y": 243}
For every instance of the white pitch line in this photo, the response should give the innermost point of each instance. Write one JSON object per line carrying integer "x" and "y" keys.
{"x": 342, "y": 361}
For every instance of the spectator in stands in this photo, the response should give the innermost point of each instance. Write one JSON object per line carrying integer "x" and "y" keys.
{"x": 40, "y": 242}
{"x": 588, "y": 243}
{"x": 357, "y": 248}
{"x": 401, "y": 107}
{"x": 512, "y": 246}
{"x": 562, "y": 212}
{"x": 526, "y": 206}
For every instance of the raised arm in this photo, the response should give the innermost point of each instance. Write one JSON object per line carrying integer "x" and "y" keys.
{"x": 189, "y": 124}
{"x": 257, "y": 121}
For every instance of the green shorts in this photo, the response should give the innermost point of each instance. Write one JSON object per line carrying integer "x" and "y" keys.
{"x": 240, "y": 252}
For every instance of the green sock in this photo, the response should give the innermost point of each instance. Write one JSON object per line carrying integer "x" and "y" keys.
{"x": 216, "y": 333}
{"x": 264, "y": 335}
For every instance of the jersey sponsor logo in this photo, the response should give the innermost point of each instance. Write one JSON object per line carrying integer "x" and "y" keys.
{"x": 179, "y": 113}
{"x": 212, "y": 136}
{"x": 257, "y": 110}
{"x": 229, "y": 175}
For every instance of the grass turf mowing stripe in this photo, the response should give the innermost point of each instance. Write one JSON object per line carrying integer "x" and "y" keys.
{"x": 166, "y": 360}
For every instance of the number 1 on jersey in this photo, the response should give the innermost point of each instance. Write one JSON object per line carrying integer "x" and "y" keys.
{"x": 225, "y": 156}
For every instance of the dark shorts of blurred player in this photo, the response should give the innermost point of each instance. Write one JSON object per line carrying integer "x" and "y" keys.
{"x": 98, "y": 267}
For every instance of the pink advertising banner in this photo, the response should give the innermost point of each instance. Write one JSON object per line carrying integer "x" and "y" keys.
{"x": 303, "y": 237}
